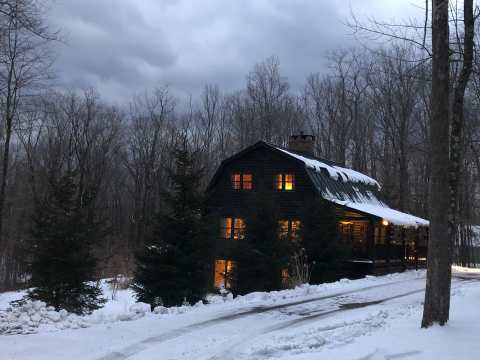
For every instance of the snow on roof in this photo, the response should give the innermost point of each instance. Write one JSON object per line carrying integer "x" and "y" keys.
{"x": 367, "y": 204}
{"x": 334, "y": 171}
{"x": 381, "y": 210}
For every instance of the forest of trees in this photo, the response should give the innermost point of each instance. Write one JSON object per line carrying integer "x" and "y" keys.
{"x": 369, "y": 110}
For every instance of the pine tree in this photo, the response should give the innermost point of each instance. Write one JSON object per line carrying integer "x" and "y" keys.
{"x": 62, "y": 263}
{"x": 174, "y": 265}
{"x": 262, "y": 255}
{"x": 320, "y": 239}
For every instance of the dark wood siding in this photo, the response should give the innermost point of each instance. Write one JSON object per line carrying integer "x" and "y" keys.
{"x": 263, "y": 164}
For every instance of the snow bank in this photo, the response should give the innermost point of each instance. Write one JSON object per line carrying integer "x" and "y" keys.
{"x": 29, "y": 317}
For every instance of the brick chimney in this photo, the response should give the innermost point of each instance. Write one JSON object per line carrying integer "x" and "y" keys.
{"x": 302, "y": 143}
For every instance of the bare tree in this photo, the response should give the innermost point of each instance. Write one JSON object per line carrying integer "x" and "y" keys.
{"x": 437, "y": 294}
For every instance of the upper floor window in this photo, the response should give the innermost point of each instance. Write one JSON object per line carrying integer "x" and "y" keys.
{"x": 242, "y": 181}
{"x": 232, "y": 228}
{"x": 289, "y": 229}
{"x": 284, "y": 182}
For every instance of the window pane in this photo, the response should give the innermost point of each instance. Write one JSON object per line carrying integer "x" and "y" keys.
{"x": 285, "y": 278}
{"x": 289, "y": 182}
{"x": 295, "y": 229}
{"x": 238, "y": 229}
{"x": 247, "y": 181}
{"x": 226, "y": 228}
{"x": 230, "y": 273}
{"x": 220, "y": 272}
{"x": 277, "y": 183}
{"x": 282, "y": 229}
{"x": 236, "y": 181}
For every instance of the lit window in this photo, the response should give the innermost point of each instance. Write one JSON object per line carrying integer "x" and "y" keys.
{"x": 238, "y": 229}
{"x": 282, "y": 229}
{"x": 242, "y": 181}
{"x": 232, "y": 228}
{"x": 236, "y": 182}
{"x": 278, "y": 183}
{"x": 224, "y": 273}
{"x": 289, "y": 229}
{"x": 295, "y": 229}
{"x": 226, "y": 228}
{"x": 284, "y": 182}
{"x": 289, "y": 182}
{"x": 247, "y": 181}
{"x": 285, "y": 278}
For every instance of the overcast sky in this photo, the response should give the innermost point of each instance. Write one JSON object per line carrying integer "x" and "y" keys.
{"x": 123, "y": 47}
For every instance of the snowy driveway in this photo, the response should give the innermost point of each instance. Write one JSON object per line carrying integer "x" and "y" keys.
{"x": 308, "y": 324}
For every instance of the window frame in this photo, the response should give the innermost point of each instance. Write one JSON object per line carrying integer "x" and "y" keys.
{"x": 227, "y": 273}
{"x": 241, "y": 183}
{"x": 280, "y": 182}
{"x": 236, "y": 228}
{"x": 293, "y": 228}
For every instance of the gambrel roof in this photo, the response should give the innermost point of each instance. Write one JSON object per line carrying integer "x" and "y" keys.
{"x": 340, "y": 185}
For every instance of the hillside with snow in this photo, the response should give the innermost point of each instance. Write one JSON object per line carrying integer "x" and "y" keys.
{"x": 372, "y": 318}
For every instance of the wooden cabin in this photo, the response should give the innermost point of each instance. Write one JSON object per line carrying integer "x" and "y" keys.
{"x": 382, "y": 239}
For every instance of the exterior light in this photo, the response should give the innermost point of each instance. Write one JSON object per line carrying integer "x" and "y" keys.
{"x": 385, "y": 222}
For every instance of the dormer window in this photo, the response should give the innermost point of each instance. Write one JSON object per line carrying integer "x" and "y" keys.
{"x": 242, "y": 181}
{"x": 284, "y": 182}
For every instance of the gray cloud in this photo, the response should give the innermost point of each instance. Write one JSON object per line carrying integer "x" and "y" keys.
{"x": 122, "y": 47}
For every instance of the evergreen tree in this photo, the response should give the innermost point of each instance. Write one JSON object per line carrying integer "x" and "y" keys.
{"x": 321, "y": 241}
{"x": 174, "y": 265}
{"x": 262, "y": 255}
{"x": 62, "y": 263}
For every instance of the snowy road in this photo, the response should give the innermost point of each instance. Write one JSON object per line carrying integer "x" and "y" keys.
{"x": 307, "y": 323}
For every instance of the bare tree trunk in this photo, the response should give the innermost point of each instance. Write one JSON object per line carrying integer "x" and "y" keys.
{"x": 437, "y": 295}
{"x": 456, "y": 135}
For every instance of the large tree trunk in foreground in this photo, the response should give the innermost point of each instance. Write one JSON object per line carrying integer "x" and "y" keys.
{"x": 437, "y": 294}
{"x": 456, "y": 133}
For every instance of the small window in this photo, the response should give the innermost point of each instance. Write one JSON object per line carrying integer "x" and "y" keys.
{"x": 226, "y": 228}
{"x": 238, "y": 229}
{"x": 295, "y": 229}
{"x": 278, "y": 183}
{"x": 285, "y": 278}
{"x": 242, "y": 181}
{"x": 232, "y": 228}
{"x": 289, "y": 229}
{"x": 236, "y": 182}
{"x": 289, "y": 182}
{"x": 224, "y": 273}
{"x": 284, "y": 182}
{"x": 247, "y": 181}
{"x": 282, "y": 229}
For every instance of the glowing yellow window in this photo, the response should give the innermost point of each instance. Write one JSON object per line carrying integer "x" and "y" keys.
{"x": 236, "y": 182}
{"x": 238, "y": 229}
{"x": 282, "y": 229}
{"x": 224, "y": 272}
{"x": 247, "y": 181}
{"x": 226, "y": 228}
{"x": 289, "y": 182}
{"x": 284, "y": 182}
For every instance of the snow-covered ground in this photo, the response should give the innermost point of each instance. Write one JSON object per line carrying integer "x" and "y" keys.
{"x": 372, "y": 318}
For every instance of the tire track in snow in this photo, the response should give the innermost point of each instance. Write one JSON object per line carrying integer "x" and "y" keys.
{"x": 324, "y": 314}
{"x": 140, "y": 346}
